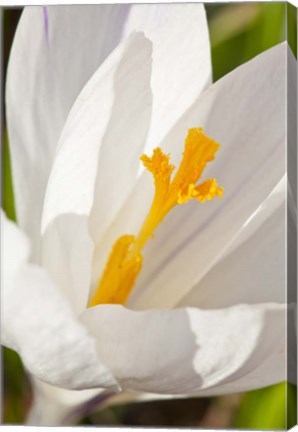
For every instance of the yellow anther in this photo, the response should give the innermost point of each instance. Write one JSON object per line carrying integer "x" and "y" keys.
{"x": 125, "y": 260}
{"x": 208, "y": 190}
{"x": 159, "y": 165}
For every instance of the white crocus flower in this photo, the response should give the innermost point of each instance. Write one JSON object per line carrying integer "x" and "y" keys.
{"x": 88, "y": 89}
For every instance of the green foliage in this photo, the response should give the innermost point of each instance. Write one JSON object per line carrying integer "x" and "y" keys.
{"x": 267, "y": 408}
{"x": 239, "y": 32}
{"x": 8, "y": 199}
{"x": 17, "y": 393}
{"x": 292, "y": 27}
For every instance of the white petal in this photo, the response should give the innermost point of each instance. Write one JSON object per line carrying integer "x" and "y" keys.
{"x": 15, "y": 250}
{"x": 55, "y": 51}
{"x": 275, "y": 201}
{"x": 53, "y": 405}
{"x": 242, "y": 110}
{"x": 252, "y": 273}
{"x": 96, "y": 163}
{"x": 181, "y": 59}
{"x": 184, "y": 351}
{"x": 252, "y": 268}
{"x": 56, "y": 406}
{"x": 39, "y": 325}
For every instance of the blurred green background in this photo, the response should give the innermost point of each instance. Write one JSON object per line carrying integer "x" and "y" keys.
{"x": 238, "y": 32}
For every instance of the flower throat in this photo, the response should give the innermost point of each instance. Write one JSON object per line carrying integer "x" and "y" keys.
{"x": 125, "y": 261}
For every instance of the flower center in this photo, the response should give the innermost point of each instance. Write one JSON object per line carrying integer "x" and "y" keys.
{"x": 125, "y": 261}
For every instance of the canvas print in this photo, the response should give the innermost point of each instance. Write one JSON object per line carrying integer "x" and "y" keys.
{"x": 148, "y": 247}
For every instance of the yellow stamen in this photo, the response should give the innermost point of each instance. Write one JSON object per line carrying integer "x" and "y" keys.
{"x": 125, "y": 260}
